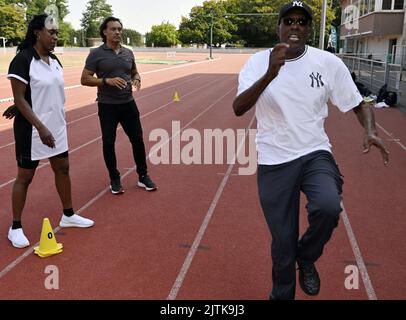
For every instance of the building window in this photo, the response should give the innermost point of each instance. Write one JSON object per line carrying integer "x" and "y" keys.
{"x": 366, "y": 6}
{"x": 361, "y": 8}
{"x": 399, "y": 4}
{"x": 371, "y": 6}
{"x": 392, "y": 4}
{"x": 386, "y": 4}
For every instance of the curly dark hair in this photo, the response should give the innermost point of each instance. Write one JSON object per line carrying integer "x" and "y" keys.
{"x": 103, "y": 26}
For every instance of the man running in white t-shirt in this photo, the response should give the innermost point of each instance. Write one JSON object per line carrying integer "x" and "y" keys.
{"x": 290, "y": 88}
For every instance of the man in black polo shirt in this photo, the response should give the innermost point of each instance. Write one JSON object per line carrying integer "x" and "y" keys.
{"x": 116, "y": 73}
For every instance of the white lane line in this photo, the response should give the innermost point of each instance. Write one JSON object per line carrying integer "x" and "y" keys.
{"x": 95, "y": 113}
{"x": 358, "y": 257}
{"x": 12, "y": 180}
{"x": 137, "y": 99}
{"x": 7, "y": 183}
{"x": 73, "y": 87}
{"x": 196, "y": 243}
{"x": 92, "y": 101}
{"x": 6, "y": 100}
{"x": 7, "y": 145}
{"x": 391, "y": 135}
{"x": 143, "y": 116}
{"x": 181, "y": 66}
{"x": 142, "y": 73}
{"x": 19, "y": 259}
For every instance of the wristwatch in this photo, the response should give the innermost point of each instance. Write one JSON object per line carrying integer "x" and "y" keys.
{"x": 104, "y": 81}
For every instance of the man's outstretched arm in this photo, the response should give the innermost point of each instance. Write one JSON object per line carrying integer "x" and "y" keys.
{"x": 366, "y": 118}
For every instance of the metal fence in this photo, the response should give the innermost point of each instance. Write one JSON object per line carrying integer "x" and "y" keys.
{"x": 373, "y": 73}
{"x": 399, "y": 55}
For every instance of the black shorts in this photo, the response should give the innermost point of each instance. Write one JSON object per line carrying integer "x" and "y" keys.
{"x": 27, "y": 163}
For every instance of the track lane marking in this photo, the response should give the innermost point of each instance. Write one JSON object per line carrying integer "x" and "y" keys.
{"x": 199, "y": 236}
{"x": 28, "y": 251}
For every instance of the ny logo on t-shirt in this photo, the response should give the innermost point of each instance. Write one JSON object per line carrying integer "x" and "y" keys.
{"x": 316, "y": 79}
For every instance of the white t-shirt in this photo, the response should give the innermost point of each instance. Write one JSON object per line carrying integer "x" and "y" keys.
{"x": 291, "y": 111}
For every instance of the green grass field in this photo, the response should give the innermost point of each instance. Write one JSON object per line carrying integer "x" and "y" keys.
{"x": 78, "y": 60}
{"x": 67, "y": 60}
{"x": 5, "y": 61}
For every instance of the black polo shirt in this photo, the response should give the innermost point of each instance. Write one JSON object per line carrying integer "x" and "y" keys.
{"x": 107, "y": 64}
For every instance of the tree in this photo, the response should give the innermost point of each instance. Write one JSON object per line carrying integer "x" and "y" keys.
{"x": 62, "y": 6}
{"x": 250, "y": 30}
{"x": 34, "y": 7}
{"x": 65, "y": 29}
{"x": 135, "y": 37}
{"x": 163, "y": 35}
{"x": 316, "y": 6}
{"x": 96, "y": 12}
{"x": 255, "y": 30}
{"x": 12, "y": 23}
{"x": 196, "y": 28}
{"x": 79, "y": 35}
{"x": 66, "y": 34}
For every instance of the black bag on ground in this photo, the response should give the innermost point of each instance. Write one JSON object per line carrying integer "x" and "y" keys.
{"x": 364, "y": 91}
{"x": 391, "y": 98}
{"x": 382, "y": 94}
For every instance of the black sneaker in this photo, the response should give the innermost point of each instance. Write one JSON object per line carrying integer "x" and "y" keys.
{"x": 146, "y": 182}
{"x": 309, "y": 279}
{"x": 115, "y": 187}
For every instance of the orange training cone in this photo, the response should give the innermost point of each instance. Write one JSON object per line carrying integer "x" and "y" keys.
{"x": 176, "y": 97}
{"x": 47, "y": 244}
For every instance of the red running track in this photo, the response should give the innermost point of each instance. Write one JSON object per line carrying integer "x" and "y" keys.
{"x": 202, "y": 235}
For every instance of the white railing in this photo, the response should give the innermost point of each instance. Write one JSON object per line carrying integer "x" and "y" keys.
{"x": 399, "y": 55}
{"x": 374, "y": 73}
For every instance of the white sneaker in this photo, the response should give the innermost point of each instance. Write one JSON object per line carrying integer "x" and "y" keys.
{"x": 75, "y": 221}
{"x": 18, "y": 238}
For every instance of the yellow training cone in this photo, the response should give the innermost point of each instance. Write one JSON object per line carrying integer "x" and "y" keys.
{"x": 176, "y": 97}
{"x": 47, "y": 244}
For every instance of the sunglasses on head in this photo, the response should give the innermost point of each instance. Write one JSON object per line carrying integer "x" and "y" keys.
{"x": 299, "y": 21}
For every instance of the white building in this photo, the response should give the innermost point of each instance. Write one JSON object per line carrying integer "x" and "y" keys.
{"x": 374, "y": 29}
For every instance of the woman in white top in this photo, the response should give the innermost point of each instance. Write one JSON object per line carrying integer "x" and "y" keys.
{"x": 36, "y": 77}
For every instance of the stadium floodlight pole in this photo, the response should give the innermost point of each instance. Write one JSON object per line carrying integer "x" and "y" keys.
{"x": 323, "y": 24}
{"x": 231, "y": 14}
{"x": 4, "y": 44}
{"x": 211, "y": 35}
